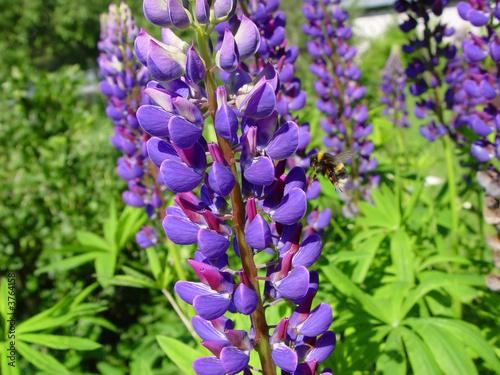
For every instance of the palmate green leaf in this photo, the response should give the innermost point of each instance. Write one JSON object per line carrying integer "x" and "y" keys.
{"x": 44, "y": 362}
{"x": 179, "y": 353}
{"x": 348, "y": 288}
{"x": 5, "y": 369}
{"x": 470, "y": 335}
{"x": 449, "y": 353}
{"x": 129, "y": 224}
{"x": 402, "y": 256}
{"x": 433, "y": 280}
{"x": 43, "y": 316}
{"x": 68, "y": 263}
{"x": 392, "y": 361}
{"x": 346, "y": 256}
{"x": 414, "y": 199}
{"x": 390, "y": 298}
{"x": 421, "y": 359}
{"x": 370, "y": 247}
{"x": 92, "y": 240}
{"x": 59, "y": 342}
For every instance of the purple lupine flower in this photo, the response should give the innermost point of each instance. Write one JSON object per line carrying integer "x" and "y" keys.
{"x": 124, "y": 83}
{"x": 339, "y": 91}
{"x": 247, "y": 201}
{"x": 393, "y": 89}
{"x": 429, "y": 52}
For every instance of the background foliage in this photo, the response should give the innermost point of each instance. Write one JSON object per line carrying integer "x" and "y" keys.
{"x": 393, "y": 272}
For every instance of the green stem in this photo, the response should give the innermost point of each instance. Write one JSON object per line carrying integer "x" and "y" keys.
{"x": 261, "y": 329}
{"x": 172, "y": 250}
{"x": 452, "y": 189}
{"x": 183, "y": 318}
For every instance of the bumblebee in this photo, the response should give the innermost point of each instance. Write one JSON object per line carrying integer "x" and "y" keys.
{"x": 332, "y": 166}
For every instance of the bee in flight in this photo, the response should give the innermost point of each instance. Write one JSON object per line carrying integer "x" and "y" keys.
{"x": 332, "y": 166}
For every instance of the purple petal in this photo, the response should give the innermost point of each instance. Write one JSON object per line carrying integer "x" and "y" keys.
{"x": 223, "y": 9}
{"x": 202, "y": 11}
{"x": 477, "y": 17}
{"x": 463, "y": 8}
{"x": 183, "y": 133}
{"x": 165, "y": 64}
{"x": 245, "y": 299}
{"x": 160, "y": 150}
{"x": 258, "y": 234}
{"x": 284, "y": 357}
{"x": 188, "y": 290}
{"x": 482, "y": 151}
{"x": 323, "y": 348}
{"x": 318, "y": 321}
{"x": 227, "y": 57}
{"x": 180, "y": 230}
{"x": 285, "y": 141}
{"x": 212, "y": 244}
{"x": 480, "y": 128}
{"x": 132, "y": 199}
{"x": 292, "y": 208}
{"x": 260, "y": 101}
{"x": 206, "y": 330}
{"x": 295, "y": 284}
{"x": 221, "y": 179}
{"x": 296, "y": 178}
{"x": 208, "y": 366}
{"x": 154, "y": 120}
{"x": 146, "y": 237}
{"x": 226, "y": 123}
{"x": 179, "y": 177}
{"x": 472, "y": 88}
{"x": 195, "y": 69}
{"x": 211, "y": 306}
{"x": 247, "y": 38}
{"x": 308, "y": 253}
{"x": 260, "y": 171}
{"x": 233, "y": 360}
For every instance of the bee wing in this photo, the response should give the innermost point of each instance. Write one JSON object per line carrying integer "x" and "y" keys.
{"x": 346, "y": 155}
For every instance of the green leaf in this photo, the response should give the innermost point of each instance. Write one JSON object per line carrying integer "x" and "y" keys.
{"x": 105, "y": 267}
{"x": 449, "y": 353}
{"x": 402, "y": 256}
{"x": 392, "y": 361}
{"x": 443, "y": 258}
{"x": 348, "y": 288}
{"x": 5, "y": 368}
{"x": 92, "y": 240}
{"x": 131, "y": 281}
{"x": 44, "y": 362}
{"x": 110, "y": 226}
{"x": 107, "y": 369}
{"x": 421, "y": 359}
{"x": 140, "y": 367}
{"x": 70, "y": 249}
{"x": 129, "y": 224}
{"x": 154, "y": 262}
{"x": 68, "y": 263}
{"x": 346, "y": 256}
{"x": 82, "y": 295}
{"x": 60, "y": 342}
{"x": 369, "y": 246}
{"x": 179, "y": 353}
{"x": 434, "y": 280}
{"x": 471, "y": 336}
{"x": 101, "y": 322}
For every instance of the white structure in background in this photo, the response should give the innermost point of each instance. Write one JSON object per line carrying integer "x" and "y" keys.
{"x": 380, "y": 15}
